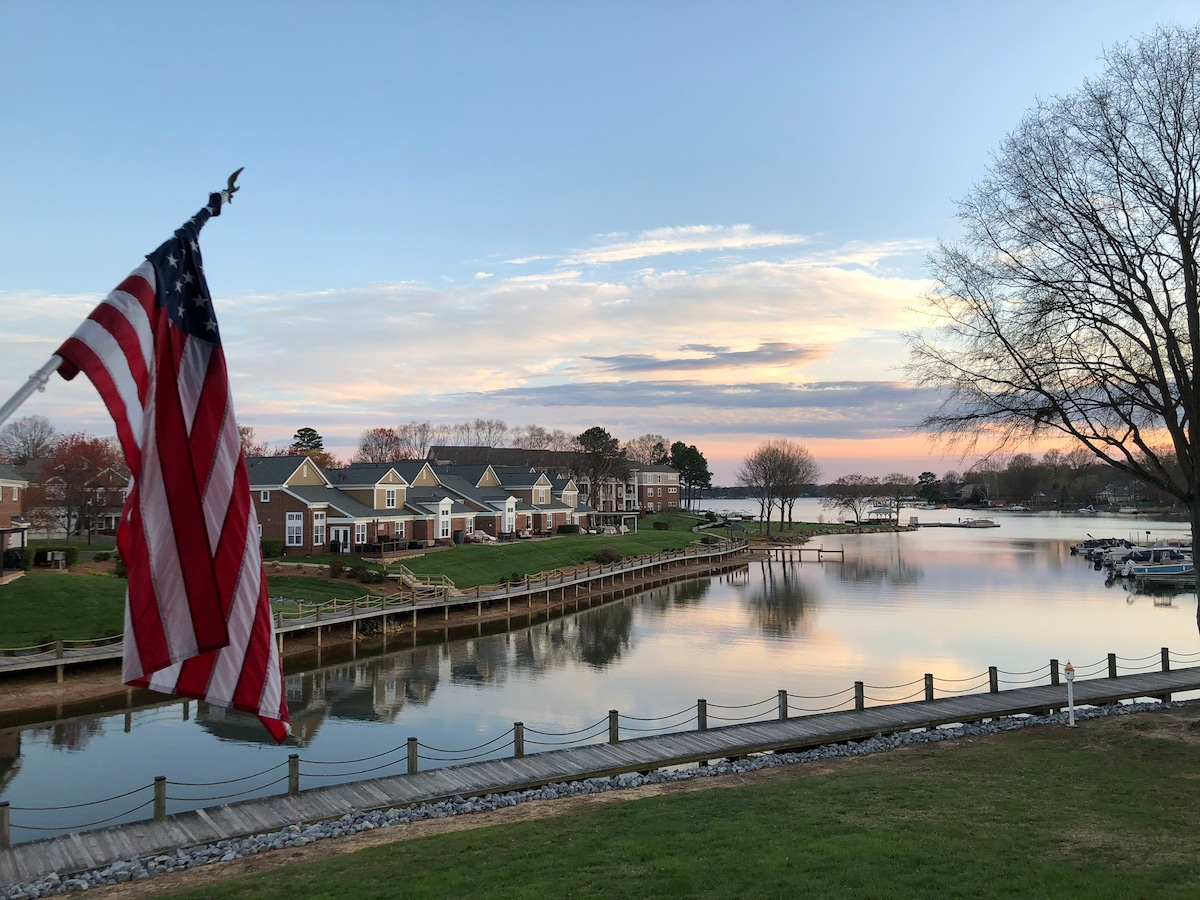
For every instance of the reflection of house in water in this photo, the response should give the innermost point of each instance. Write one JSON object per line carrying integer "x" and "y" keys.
{"x": 861, "y": 570}
{"x": 10, "y": 756}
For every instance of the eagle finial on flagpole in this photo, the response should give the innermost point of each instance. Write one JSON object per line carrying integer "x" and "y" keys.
{"x": 232, "y": 188}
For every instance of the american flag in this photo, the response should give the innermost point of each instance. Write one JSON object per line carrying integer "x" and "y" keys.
{"x": 197, "y": 618}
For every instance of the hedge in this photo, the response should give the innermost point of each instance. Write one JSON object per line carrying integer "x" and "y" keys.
{"x": 662, "y": 526}
{"x": 567, "y": 529}
{"x": 41, "y": 558}
{"x": 271, "y": 548}
{"x": 18, "y": 558}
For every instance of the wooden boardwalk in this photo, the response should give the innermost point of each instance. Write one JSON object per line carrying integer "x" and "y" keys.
{"x": 538, "y": 593}
{"x": 77, "y": 852}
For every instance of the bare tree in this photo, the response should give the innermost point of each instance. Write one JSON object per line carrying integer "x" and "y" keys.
{"x": 894, "y": 489}
{"x": 1072, "y": 303}
{"x": 379, "y": 445}
{"x": 26, "y": 438}
{"x": 250, "y": 446}
{"x": 649, "y": 450}
{"x": 529, "y": 437}
{"x": 852, "y": 494}
{"x": 416, "y": 438}
{"x": 560, "y": 440}
{"x": 797, "y": 471}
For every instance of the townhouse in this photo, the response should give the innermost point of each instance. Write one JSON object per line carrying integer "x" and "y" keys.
{"x": 657, "y": 488}
{"x": 382, "y": 507}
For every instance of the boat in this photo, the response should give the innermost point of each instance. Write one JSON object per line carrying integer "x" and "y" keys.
{"x": 1088, "y": 510}
{"x": 1017, "y": 507}
{"x": 977, "y": 523}
{"x": 1183, "y": 573}
{"x": 1129, "y": 510}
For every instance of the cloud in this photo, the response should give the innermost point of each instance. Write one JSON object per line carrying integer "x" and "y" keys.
{"x": 684, "y": 239}
{"x": 480, "y": 276}
{"x": 802, "y": 344}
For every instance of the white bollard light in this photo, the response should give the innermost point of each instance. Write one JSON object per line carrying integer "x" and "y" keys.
{"x": 1069, "y": 671}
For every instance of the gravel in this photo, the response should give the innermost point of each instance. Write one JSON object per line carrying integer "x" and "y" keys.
{"x": 353, "y": 822}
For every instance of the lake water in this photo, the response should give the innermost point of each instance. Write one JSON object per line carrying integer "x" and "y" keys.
{"x": 948, "y": 601}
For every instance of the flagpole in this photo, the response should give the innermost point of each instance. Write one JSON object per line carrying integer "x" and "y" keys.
{"x": 37, "y": 382}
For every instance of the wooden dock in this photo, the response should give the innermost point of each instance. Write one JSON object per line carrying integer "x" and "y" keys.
{"x": 86, "y": 850}
{"x": 546, "y": 591}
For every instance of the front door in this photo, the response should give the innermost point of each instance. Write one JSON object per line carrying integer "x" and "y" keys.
{"x": 340, "y": 534}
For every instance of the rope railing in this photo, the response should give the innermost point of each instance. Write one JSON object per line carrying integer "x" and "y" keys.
{"x": 743, "y": 705}
{"x": 920, "y": 693}
{"x": 600, "y": 723}
{"x": 518, "y": 737}
{"x": 937, "y": 678}
{"x": 1036, "y": 671}
{"x": 245, "y": 793}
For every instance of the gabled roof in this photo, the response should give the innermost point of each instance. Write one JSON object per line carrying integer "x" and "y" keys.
{"x": 361, "y": 474}
{"x": 547, "y": 460}
{"x": 270, "y": 471}
{"x": 341, "y": 501}
{"x": 472, "y": 474}
{"x": 7, "y": 473}
{"x": 647, "y": 467}
{"x": 425, "y": 500}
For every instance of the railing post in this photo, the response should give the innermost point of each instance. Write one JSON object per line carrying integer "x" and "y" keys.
{"x": 58, "y": 654}
{"x": 160, "y": 797}
{"x": 993, "y": 680}
{"x": 702, "y": 715}
{"x": 293, "y": 774}
{"x": 1112, "y": 665}
{"x": 858, "y": 695}
{"x": 412, "y": 756}
{"x": 518, "y": 739}
{"x": 1054, "y": 671}
{"x": 928, "y": 686}
{"x": 5, "y": 826}
{"x": 614, "y": 727}
{"x": 783, "y": 706}
{"x": 1166, "y": 659}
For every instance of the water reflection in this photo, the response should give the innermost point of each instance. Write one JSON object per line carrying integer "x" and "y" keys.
{"x": 876, "y": 570}
{"x": 10, "y": 756}
{"x": 782, "y": 604}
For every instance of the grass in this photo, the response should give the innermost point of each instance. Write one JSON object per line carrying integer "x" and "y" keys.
{"x": 1103, "y": 811}
{"x": 45, "y": 606}
{"x": 313, "y": 590}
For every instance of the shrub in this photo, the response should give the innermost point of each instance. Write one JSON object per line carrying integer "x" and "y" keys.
{"x": 336, "y": 567}
{"x": 41, "y": 558}
{"x": 271, "y": 548}
{"x": 662, "y": 526}
{"x": 567, "y": 529}
{"x": 710, "y": 516}
{"x": 18, "y": 558}
{"x": 370, "y": 576}
{"x": 101, "y": 557}
{"x": 607, "y": 555}
{"x": 120, "y": 571}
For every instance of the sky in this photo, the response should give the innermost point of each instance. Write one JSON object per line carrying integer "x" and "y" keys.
{"x": 708, "y": 221}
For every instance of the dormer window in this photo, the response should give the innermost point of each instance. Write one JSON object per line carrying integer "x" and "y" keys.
{"x": 389, "y": 499}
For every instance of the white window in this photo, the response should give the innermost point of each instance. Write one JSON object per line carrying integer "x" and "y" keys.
{"x": 445, "y": 523}
{"x": 260, "y": 532}
{"x": 360, "y": 532}
{"x": 470, "y": 526}
{"x": 264, "y": 496}
{"x": 295, "y": 529}
{"x": 389, "y": 499}
{"x": 318, "y": 529}
{"x": 399, "y": 529}
{"x": 672, "y": 490}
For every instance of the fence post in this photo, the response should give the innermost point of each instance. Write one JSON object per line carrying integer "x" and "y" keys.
{"x": 1166, "y": 667}
{"x": 293, "y": 774}
{"x": 702, "y": 715}
{"x": 783, "y": 706}
{"x": 1054, "y": 671}
{"x": 928, "y": 686}
{"x": 160, "y": 797}
{"x": 58, "y": 654}
{"x": 614, "y": 727}
{"x": 993, "y": 680}
{"x": 5, "y": 826}
{"x": 858, "y": 695}
{"x": 518, "y": 739}
{"x": 1112, "y": 665}
{"x": 412, "y": 756}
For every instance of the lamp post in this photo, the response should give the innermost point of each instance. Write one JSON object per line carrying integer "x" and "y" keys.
{"x": 1069, "y": 671}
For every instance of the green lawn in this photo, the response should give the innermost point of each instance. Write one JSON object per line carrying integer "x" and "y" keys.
{"x": 313, "y": 590}
{"x": 1046, "y": 812}
{"x": 45, "y": 606}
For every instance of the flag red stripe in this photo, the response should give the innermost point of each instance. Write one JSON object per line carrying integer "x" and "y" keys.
{"x": 114, "y": 322}
{"x": 183, "y": 498}
{"x": 90, "y": 364}
{"x": 150, "y": 636}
